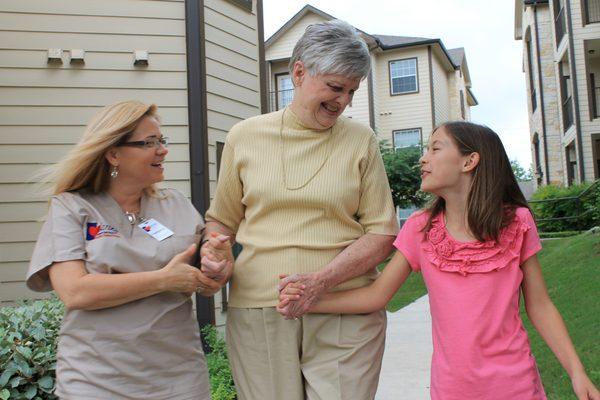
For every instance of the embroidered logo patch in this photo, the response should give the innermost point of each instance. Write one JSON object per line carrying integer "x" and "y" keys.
{"x": 95, "y": 231}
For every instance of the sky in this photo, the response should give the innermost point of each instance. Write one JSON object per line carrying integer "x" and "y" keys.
{"x": 484, "y": 29}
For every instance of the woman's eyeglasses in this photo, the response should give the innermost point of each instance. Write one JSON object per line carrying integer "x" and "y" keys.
{"x": 150, "y": 143}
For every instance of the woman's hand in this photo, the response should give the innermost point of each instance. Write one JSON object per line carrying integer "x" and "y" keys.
{"x": 312, "y": 289}
{"x": 179, "y": 276}
{"x": 584, "y": 388}
{"x": 217, "y": 258}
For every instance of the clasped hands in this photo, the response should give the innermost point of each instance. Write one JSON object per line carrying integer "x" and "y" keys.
{"x": 215, "y": 269}
{"x": 298, "y": 293}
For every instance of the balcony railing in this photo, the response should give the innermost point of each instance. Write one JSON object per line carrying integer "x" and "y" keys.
{"x": 560, "y": 26}
{"x": 592, "y": 11}
{"x": 280, "y": 98}
{"x": 567, "y": 113}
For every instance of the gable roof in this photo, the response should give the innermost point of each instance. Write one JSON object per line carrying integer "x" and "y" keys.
{"x": 285, "y": 27}
{"x": 371, "y": 42}
{"x": 457, "y": 55}
{"x": 460, "y": 59}
{"x": 399, "y": 41}
{"x": 387, "y": 42}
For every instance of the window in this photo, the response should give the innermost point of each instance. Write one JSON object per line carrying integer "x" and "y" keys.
{"x": 592, "y": 11}
{"x": 407, "y": 138}
{"x": 536, "y": 159}
{"x": 572, "y": 171}
{"x": 532, "y": 91}
{"x": 560, "y": 26}
{"x": 285, "y": 90}
{"x": 403, "y": 76}
{"x": 565, "y": 94}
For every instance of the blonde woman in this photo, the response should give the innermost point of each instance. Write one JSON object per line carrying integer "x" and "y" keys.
{"x": 117, "y": 251}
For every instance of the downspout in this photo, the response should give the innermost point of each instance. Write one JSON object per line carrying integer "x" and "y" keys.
{"x": 371, "y": 100}
{"x": 575, "y": 93}
{"x": 542, "y": 108}
{"x": 264, "y": 106}
{"x": 429, "y": 59}
{"x": 198, "y": 130}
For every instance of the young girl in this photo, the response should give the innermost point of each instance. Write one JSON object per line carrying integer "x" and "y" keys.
{"x": 476, "y": 247}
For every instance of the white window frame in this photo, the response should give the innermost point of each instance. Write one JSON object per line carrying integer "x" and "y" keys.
{"x": 407, "y": 74}
{"x": 412, "y": 131}
{"x": 280, "y": 99}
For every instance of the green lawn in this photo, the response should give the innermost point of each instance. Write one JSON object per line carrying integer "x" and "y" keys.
{"x": 571, "y": 268}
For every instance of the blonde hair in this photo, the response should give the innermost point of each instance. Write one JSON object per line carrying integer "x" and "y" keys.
{"x": 85, "y": 166}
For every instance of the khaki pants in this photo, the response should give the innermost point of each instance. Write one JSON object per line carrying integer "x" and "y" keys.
{"x": 317, "y": 357}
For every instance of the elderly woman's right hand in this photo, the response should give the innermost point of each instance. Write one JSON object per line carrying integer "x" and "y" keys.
{"x": 179, "y": 276}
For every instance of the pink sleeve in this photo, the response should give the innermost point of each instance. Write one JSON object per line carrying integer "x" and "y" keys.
{"x": 531, "y": 240}
{"x": 407, "y": 242}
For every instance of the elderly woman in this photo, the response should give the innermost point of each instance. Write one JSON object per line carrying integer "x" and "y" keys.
{"x": 117, "y": 251}
{"x": 304, "y": 191}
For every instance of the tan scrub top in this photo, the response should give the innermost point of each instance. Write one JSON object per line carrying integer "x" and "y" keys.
{"x": 146, "y": 349}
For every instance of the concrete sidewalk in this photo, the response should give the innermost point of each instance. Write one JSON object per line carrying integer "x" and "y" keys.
{"x": 407, "y": 357}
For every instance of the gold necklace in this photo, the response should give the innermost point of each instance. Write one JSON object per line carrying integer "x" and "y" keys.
{"x": 282, "y": 151}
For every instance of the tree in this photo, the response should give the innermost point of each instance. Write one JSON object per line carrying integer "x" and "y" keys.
{"x": 521, "y": 174}
{"x": 403, "y": 172}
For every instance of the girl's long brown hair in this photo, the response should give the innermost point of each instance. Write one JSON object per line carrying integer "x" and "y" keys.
{"x": 494, "y": 194}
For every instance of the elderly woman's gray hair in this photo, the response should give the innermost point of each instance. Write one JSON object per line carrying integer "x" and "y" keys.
{"x": 332, "y": 47}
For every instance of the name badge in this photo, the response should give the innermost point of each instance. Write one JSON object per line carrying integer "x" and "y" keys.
{"x": 155, "y": 229}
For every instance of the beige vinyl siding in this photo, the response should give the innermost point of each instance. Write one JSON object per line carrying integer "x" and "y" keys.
{"x": 359, "y": 110}
{"x": 45, "y": 107}
{"x": 458, "y": 81}
{"x": 232, "y": 79}
{"x": 404, "y": 111}
{"x": 441, "y": 91}
{"x": 284, "y": 45}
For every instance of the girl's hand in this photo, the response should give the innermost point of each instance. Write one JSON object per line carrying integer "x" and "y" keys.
{"x": 292, "y": 291}
{"x": 584, "y": 388}
{"x": 289, "y": 293}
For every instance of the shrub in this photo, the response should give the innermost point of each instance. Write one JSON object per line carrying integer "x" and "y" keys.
{"x": 586, "y": 209}
{"x": 28, "y": 338}
{"x": 221, "y": 381}
{"x": 404, "y": 175}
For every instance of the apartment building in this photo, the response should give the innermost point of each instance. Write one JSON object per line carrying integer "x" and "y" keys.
{"x": 561, "y": 59}
{"x": 415, "y": 83}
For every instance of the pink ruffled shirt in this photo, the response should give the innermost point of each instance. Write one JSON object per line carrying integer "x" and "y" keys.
{"x": 480, "y": 347}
